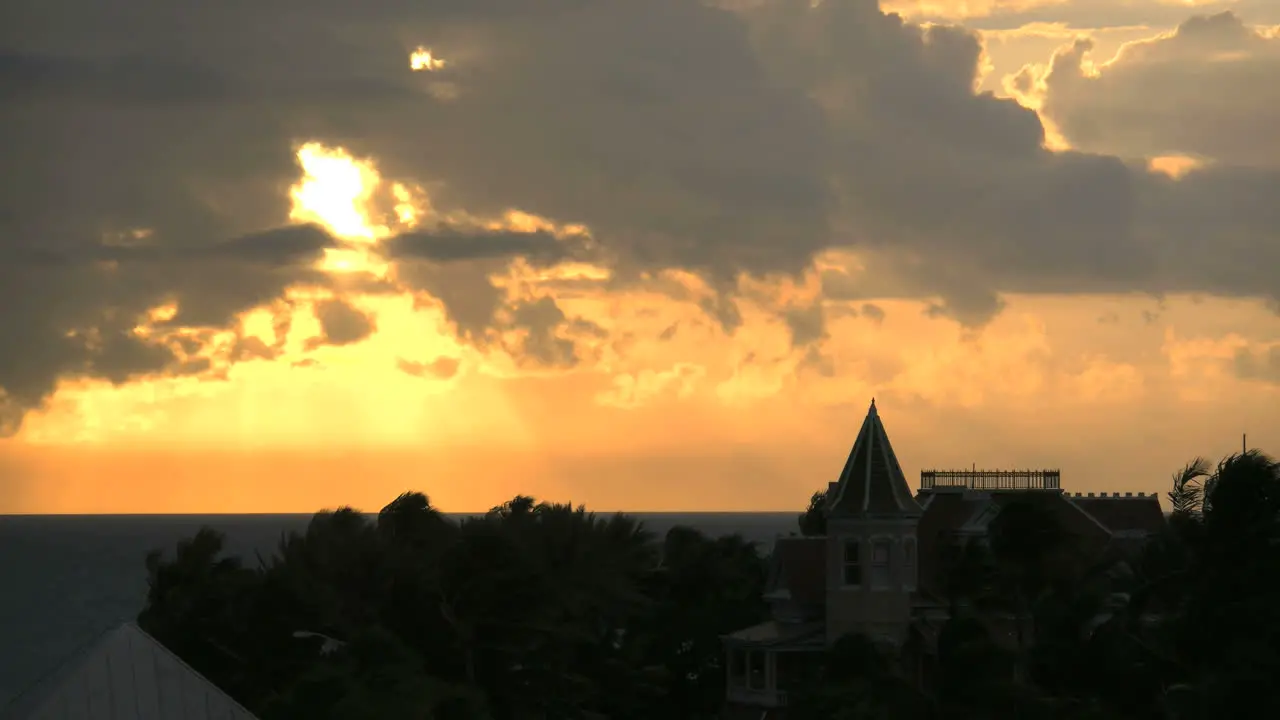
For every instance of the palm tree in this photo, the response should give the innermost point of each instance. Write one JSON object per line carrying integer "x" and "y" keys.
{"x": 813, "y": 521}
{"x": 221, "y": 617}
{"x": 1229, "y": 626}
{"x": 411, "y": 521}
{"x": 1188, "y": 493}
{"x": 413, "y": 537}
{"x": 1200, "y": 625}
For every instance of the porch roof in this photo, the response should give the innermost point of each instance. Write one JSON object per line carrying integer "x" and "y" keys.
{"x": 779, "y": 635}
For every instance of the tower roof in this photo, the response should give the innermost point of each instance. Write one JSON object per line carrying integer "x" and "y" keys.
{"x": 872, "y": 482}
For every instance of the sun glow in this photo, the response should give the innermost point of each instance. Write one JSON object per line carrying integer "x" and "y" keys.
{"x": 335, "y": 191}
{"x": 421, "y": 59}
{"x": 340, "y": 193}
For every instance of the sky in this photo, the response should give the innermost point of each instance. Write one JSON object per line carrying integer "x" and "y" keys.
{"x": 642, "y": 255}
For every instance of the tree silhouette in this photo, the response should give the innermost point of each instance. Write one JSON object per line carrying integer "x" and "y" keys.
{"x": 543, "y": 610}
{"x": 813, "y": 521}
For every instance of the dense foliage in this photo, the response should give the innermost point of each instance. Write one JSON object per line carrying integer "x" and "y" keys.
{"x": 530, "y": 611}
{"x": 545, "y": 611}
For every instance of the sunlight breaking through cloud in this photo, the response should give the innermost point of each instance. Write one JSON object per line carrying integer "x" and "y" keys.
{"x": 421, "y": 59}
{"x": 337, "y": 191}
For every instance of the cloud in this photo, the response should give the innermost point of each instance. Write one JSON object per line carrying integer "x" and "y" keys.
{"x": 1010, "y": 14}
{"x": 108, "y": 311}
{"x": 807, "y": 325}
{"x": 1259, "y": 364}
{"x": 1206, "y": 91}
{"x": 341, "y": 323}
{"x": 443, "y": 368}
{"x": 632, "y": 390}
{"x": 444, "y": 247}
{"x": 151, "y": 148}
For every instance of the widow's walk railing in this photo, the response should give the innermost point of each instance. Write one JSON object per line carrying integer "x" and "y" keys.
{"x": 991, "y": 479}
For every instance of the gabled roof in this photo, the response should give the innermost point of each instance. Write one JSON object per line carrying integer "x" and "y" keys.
{"x": 973, "y": 513}
{"x": 1128, "y": 514}
{"x": 125, "y": 675}
{"x": 872, "y": 482}
{"x": 799, "y": 569}
{"x": 946, "y": 514}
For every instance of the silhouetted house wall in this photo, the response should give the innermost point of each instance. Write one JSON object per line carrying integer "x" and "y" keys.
{"x": 883, "y": 568}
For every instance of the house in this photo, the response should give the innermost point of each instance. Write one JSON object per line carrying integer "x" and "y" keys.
{"x": 124, "y": 675}
{"x": 882, "y": 567}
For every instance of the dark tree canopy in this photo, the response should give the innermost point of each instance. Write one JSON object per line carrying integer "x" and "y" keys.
{"x": 533, "y": 610}
{"x": 813, "y": 521}
{"x": 546, "y": 611}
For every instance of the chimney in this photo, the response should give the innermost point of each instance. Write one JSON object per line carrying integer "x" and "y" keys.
{"x": 1128, "y": 494}
{"x": 1091, "y": 494}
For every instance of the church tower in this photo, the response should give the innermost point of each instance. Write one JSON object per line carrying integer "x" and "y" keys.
{"x": 872, "y": 556}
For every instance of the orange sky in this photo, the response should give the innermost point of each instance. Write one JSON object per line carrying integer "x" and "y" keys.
{"x": 668, "y": 411}
{"x": 1116, "y": 398}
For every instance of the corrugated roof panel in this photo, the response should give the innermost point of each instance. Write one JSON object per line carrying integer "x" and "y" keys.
{"x": 125, "y": 675}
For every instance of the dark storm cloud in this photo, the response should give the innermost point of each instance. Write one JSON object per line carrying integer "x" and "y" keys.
{"x": 1208, "y": 90}
{"x": 286, "y": 246}
{"x": 449, "y": 246}
{"x": 33, "y": 77}
{"x": 72, "y": 312}
{"x": 956, "y": 196}
{"x": 681, "y": 134}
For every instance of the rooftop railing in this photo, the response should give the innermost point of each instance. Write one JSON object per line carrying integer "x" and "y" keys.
{"x": 991, "y": 479}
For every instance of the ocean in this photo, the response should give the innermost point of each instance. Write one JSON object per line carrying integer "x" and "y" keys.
{"x": 66, "y": 578}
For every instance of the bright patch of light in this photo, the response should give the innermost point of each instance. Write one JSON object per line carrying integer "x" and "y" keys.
{"x": 1174, "y": 166}
{"x": 421, "y": 59}
{"x": 337, "y": 191}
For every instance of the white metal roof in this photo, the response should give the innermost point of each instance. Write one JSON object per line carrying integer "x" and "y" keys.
{"x": 125, "y": 675}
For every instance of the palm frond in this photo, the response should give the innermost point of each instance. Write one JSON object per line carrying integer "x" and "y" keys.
{"x": 1188, "y": 493}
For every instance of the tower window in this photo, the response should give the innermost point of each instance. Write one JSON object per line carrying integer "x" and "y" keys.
{"x": 852, "y": 563}
{"x": 909, "y": 563}
{"x": 880, "y": 572}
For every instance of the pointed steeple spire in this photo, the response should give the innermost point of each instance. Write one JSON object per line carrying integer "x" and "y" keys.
{"x": 872, "y": 482}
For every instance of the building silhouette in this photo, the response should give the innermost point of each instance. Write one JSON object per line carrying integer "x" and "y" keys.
{"x": 882, "y": 568}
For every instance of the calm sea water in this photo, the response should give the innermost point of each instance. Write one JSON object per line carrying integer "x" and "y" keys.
{"x": 65, "y": 579}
